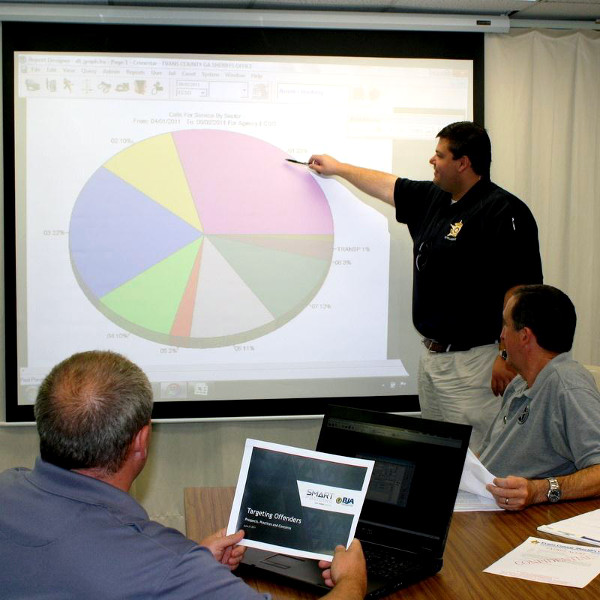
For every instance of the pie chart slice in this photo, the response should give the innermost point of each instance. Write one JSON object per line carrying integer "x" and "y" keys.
{"x": 151, "y": 299}
{"x": 116, "y": 232}
{"x": 201, "y": 238}
{"x": 153, "y": 167}
{"x": 299, "y": 276}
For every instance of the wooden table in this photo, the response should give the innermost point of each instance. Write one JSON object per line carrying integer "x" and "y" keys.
{"x": 475, "y": 541}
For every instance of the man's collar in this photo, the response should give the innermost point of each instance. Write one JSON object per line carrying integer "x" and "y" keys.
{"x": 81, "y": 488}
{"x": 545, "y": 373}
{"x": 472, "y": 195}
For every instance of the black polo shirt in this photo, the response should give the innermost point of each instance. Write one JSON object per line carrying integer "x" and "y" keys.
{"x": 466, "y": 255}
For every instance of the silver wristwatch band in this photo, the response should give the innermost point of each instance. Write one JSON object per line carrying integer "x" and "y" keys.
{"x": 553, "y": 490}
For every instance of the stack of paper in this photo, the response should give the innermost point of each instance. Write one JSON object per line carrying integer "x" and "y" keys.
{"x": 472, "y": 493}
{"x": 583, "y": 528}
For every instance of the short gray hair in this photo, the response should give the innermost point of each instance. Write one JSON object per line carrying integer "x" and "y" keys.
{"x": 89, "y": 408}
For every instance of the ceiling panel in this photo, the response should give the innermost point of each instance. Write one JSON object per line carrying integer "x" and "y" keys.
{"x": 585, "y": 10}
{"x": 588, "y": 10}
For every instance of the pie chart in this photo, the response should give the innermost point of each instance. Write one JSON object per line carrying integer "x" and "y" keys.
{"x": 201, "y": 238}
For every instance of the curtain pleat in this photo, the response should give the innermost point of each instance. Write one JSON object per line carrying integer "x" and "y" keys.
{"x": 542, "y": 91}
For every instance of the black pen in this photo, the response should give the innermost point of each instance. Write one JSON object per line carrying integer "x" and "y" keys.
{"x": 297, "y": 162}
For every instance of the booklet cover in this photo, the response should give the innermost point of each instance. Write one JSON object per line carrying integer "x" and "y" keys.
{"x": 298, "y": 502}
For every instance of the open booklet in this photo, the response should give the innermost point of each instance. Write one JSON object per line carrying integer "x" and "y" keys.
{"x": 298, "y": 502}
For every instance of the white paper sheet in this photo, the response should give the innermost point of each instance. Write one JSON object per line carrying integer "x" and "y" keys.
{"x": 475, "y": 476}
{"x": 584, "y": 528}
{"x": 472, "y": 494}
{"x": 298, "y": 502}
{"x": 468, "y": 502}
{"x": 550, "y": 562}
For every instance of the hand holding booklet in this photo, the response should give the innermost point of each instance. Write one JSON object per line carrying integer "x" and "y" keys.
{"x": 298, "y": 502}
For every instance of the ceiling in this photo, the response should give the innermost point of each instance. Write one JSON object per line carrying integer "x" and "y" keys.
{"x": 571, "y": 10}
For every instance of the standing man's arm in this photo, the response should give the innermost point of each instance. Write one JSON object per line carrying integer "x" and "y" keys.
{"x": 375, "y": 183}
{"x": 502, "y": 374}
{"x": 522, "y": 492}
{"x": 518, "y": 255}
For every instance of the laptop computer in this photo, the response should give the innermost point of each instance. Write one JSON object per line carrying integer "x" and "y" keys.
{"x": 406, "y": 515}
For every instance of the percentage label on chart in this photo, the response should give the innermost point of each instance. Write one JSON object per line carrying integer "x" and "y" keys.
{"x": 320, "y": 306}
{"x": 117, "y": 336}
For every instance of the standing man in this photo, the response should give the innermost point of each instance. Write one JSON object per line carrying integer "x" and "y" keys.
{"x": 472, "y": 243}
{"x": 69, "y": 528}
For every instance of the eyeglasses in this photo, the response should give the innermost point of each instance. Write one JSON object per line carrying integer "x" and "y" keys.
{"x": 422, "y": 255}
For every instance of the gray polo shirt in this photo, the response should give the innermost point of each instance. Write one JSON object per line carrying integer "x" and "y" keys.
{"x": 549, "y": 430}
{"x": 64, "y": 535}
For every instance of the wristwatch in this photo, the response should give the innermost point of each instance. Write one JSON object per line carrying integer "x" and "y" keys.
{"x": 553, "y": 490}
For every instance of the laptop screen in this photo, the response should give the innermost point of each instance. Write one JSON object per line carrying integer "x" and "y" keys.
{"x": 418, "y": 465}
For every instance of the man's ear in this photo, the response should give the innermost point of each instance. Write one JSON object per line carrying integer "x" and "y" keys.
{"x": 527, "y": 336}
{"x": 141, "y": 441}
{"x": 464, "y": 164}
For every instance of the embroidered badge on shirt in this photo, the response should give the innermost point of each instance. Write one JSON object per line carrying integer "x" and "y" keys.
{"x": 523, "y": 416}
{"x": 454, "y": 231}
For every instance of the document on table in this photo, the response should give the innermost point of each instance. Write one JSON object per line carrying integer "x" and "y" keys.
{"x": 472, "y": 494}
{"x": 584, "y": 528}
{"x": 550, "y": 562}
{"x": 298, "y": 502}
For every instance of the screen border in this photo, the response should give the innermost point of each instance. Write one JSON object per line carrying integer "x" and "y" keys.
{"x": 193, "y": 39}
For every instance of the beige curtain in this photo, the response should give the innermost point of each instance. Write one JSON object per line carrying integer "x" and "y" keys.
{"x": 542, "y": 91}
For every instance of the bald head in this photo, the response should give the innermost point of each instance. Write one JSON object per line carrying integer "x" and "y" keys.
{"x": 89, "y": 408}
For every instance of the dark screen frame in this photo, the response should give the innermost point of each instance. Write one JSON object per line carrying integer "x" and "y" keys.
{"x": 66, "y": 37}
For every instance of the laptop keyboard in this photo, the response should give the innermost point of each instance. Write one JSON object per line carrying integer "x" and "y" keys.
{"x": 386, "y": 564}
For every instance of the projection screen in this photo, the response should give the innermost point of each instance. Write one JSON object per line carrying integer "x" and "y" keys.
{"x": 156, "y": 213}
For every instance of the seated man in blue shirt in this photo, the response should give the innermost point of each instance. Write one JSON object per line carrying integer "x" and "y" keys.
{"x": 544, "y": 445}
{"x": 69, "y": 528}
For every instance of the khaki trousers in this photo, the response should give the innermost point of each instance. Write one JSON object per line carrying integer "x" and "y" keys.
{"x": 456, "y": 387}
